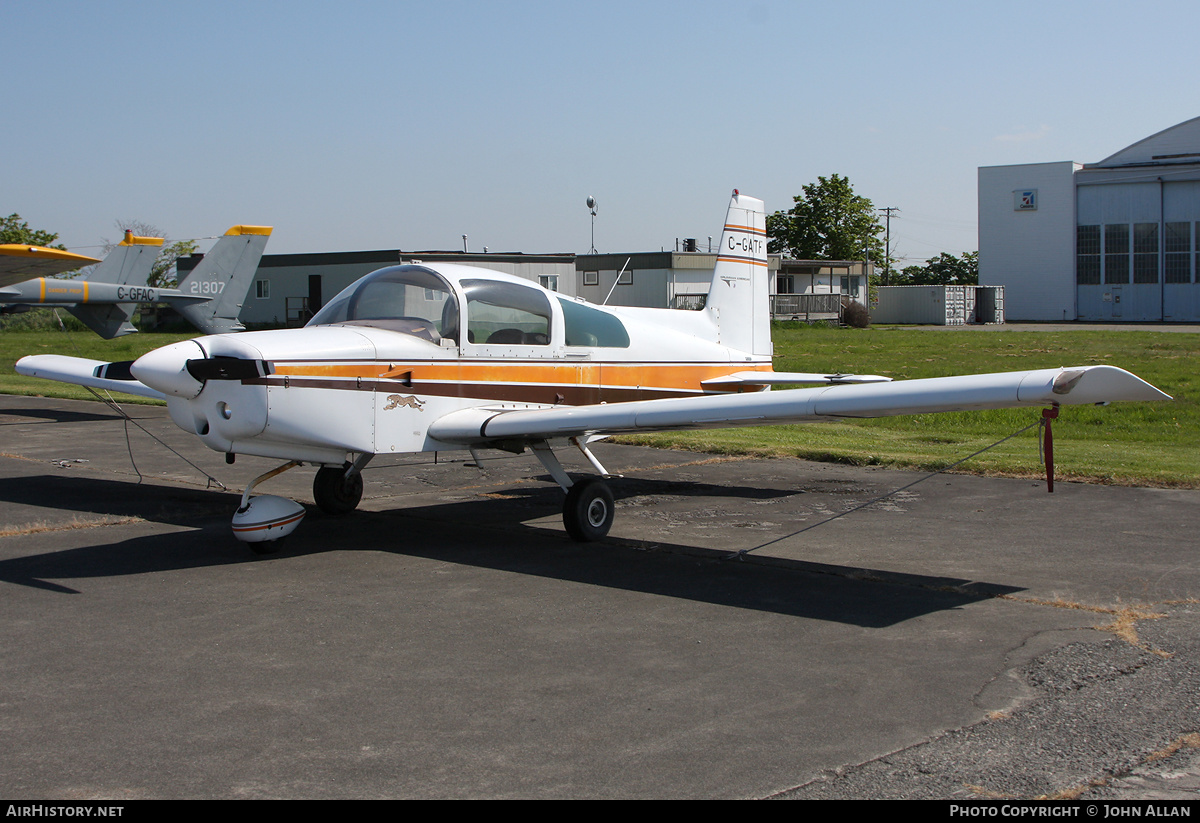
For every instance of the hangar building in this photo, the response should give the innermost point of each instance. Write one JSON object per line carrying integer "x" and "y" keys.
{"x": 289, "y": 288}
{"x": 1117, "y": 240}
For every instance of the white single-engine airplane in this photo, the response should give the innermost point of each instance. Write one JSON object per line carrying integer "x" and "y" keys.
{"x": 209, "y": 297}
{"x": 431, "y": 357}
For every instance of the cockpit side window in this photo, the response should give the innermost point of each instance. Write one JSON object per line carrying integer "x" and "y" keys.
{"x": 506, "y": 313}
{"x": 409, "y": 299}
{"x": 585, "y": 326}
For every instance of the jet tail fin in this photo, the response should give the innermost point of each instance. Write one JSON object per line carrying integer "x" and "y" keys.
{"x": 738, "y": 298}
{"x": 224, "y": 276}
{"x": 129, "y": 262}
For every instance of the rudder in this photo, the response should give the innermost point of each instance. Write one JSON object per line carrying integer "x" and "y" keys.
{"x": 738, "y": 298}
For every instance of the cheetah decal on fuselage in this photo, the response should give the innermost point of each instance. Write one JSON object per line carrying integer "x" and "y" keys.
{"x": 395, "y": 400}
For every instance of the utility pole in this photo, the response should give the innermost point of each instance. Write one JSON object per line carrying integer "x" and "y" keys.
{"x": 887, "y": 244}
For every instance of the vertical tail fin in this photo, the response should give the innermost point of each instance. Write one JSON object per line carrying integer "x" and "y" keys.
{"x": 224, "y": 275}
{"x": 738, "y": 298}
{"x": 129, "y": 262}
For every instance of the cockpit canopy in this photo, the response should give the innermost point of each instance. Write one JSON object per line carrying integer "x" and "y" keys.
{"x": 421, "y": 302}
{"x": 409, "y": 299}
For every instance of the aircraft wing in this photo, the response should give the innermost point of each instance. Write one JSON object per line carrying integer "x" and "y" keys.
{"x": 20, "y": 262}
{"x": 1082, "y": 385}
{"x": 84, "y": 372}
{"x": 782, "y": 378}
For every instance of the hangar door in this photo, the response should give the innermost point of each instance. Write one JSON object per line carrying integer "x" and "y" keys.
{"x": 1136, "y": 248}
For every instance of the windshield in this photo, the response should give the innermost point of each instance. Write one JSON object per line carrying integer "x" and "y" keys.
{"x": 408, "y": 299}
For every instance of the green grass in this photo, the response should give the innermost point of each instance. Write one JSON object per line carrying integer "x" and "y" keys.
{"x": 1155, "y": 444}
{"x": 16, "y": 344}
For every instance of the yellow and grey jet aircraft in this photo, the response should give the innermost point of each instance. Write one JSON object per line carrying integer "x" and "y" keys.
{"x": 209, "y": 297}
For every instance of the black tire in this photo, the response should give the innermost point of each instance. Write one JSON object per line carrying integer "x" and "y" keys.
{"x": 265, "y": 547}
{"x": 588, "y": 510}
{"x": 333, "y": 493}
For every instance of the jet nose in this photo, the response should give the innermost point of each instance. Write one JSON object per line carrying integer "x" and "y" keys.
{"x": 165, "y": 369}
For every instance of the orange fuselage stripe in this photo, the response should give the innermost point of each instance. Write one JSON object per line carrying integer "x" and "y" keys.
{"x": 681, "y": 376}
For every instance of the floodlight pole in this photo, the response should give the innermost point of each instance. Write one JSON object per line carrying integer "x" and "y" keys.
{"x": 591, "y": 204}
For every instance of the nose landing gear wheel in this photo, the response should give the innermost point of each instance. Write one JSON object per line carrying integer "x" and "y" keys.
{"x": 335, "y": 494}
{"x": 588, "y": 511}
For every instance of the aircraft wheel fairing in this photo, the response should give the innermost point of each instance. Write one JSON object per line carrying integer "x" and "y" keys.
{"x": 266, "y": 519}
{"x": 333, "y": 493}
{"x": 588, "y": 511}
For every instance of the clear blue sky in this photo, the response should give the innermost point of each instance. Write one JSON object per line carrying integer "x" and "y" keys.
{"x": 365, "y": 125}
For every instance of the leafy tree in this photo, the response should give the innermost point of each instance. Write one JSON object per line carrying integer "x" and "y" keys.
{"x": 943, "y": 270}
{"x": 828, "y": 222}
{"x": 164, "y": 274}
{"x": 908, "y": 276}
{"x": 15, "y": 230}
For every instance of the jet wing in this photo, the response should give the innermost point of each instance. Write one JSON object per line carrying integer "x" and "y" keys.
{"x": 84, "y": 372}
{"x": 20, "y": 262}
{"x": 1071, "y": 386}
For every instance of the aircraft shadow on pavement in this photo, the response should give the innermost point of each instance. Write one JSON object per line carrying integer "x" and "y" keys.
{"x": 16, "y": 417}
{"x": 544, "y": 491}
{"x": 473, "y": 533}
{"x": 205, "y": 511}
{"x": 481, "y": 533}
{"x": 854, "y": 596}
{"x": 173, "y": 503}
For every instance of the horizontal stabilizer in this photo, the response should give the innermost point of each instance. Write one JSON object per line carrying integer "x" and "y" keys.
{"x": 81, "y": 371}
{"x": 1075, "y": 386}
{"x": 108, "y": 320}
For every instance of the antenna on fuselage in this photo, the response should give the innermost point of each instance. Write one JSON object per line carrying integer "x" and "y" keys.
{"x": 615, "y": 282}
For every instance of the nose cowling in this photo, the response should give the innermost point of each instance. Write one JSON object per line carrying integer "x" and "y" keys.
{"x": 182, "y": 369}
{"x": 166, "y": 369}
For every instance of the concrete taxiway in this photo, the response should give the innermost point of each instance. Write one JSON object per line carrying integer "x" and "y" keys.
{"x": 969, "y": 637}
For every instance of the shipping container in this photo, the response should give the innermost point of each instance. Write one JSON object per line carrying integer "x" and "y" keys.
{"x": 938, "y": 305}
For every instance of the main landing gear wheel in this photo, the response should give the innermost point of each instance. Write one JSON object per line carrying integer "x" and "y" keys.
{"x": 266, "y": 547}
{"x": 334, "y": 493}
{"x": 588, "y": 512}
